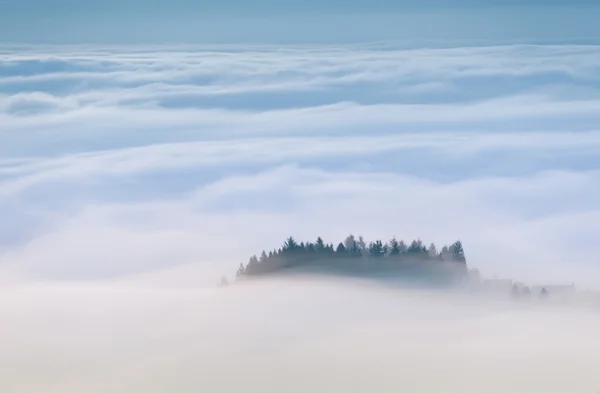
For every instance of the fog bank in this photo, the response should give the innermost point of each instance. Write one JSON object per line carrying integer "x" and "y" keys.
{"x": 292, "y": 336}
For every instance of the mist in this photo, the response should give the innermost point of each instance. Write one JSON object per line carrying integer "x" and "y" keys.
{"x": 132, "y": 177}
{"x": 292, "y": 335}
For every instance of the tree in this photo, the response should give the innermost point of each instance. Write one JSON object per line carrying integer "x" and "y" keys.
{"x": 361, "y": 244}
{"x": 355, "y": 251}
{"x": 457, "y": 252}
{"x": 252, "y": 267}
{"x": 377, "y": 248}
{"x": 402, "y": 246}
{"x": 320, "y": 245}
{"x": 340, "y": 250}
{"x": 223, "y": 282}
{"x": 293, "y": 254}
{"x": 432, "y": 251}
{"x": 446, "y": 254}
{"x": 290, "y": 244}
{"x": 241, "y": 270}
{"x": 394, "y": 247}
{"x": 349, "y": 242}
{"x": 416, "y": 247}
{"x": 263, "y": 257}
{"x": 351, "y": 246}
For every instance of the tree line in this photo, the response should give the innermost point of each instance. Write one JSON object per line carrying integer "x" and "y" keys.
{"x": 391, "y": 253}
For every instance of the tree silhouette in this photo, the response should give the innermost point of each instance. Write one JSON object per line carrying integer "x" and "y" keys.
{"x": 361, "y": 244}
{"x": 319, "y": 245}
{"x": 353, "y": 253}
{"x": 349, "y": 242}
{"x": 241, "y": 270}
{"x": 290, "y": 244}
{"x": 432, "y": 251}
{"x": 394, "y": 247}
{"x": 402, "y": 246}
{"x": 377, "y": 248}
{"x": 263, "y": 257}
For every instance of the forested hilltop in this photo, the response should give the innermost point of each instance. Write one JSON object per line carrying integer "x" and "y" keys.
{"x": 355, "y": 256}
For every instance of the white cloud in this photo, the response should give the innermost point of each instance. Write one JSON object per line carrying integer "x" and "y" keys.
{"x": 207, "y": 154}
{"x": 141, "y": 206}
{"x": 489, "y": 215}
{"x": 323, "y": 62}
{"x": 104, "y": 125}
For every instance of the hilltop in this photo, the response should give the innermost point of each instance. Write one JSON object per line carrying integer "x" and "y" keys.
{"x": 414, "y": 261}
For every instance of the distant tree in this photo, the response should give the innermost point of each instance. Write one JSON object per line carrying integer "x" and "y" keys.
{"x": 432, "y": 251}
{"x": 252, "y": 267}
{"x": 394, "y": 247}
{"x": 351, "y": 245}
{"x": 241, "y": 270}
{"x": 543, "y": 293}
{"x": 416, "y": 248}
{"x": 320, "y": 245}
{"x": 362, "y": 245}
{"x": 445, "y": 254}
{"x": 293, "y": 253}
{"x": 355, "y": 251}
{"x": 457, "y": 252}
{"x": 377, "y": 248}
{"x": 290, "y": 244}
{"x": 223, "y": 282}
{"x": 349, "y": 242}
{"x": 263, "y": 257}
{"x": 402, "y": 246}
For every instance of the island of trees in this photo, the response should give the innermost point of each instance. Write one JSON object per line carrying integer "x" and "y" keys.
{"x": 354, "y": 256}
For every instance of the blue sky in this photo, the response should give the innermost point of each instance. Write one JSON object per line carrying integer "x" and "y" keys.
{"x": 267, "y": 21}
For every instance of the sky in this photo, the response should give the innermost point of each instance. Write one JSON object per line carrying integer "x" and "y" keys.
{"x": 147, "y": 150}
{"x": 294, "y": 22}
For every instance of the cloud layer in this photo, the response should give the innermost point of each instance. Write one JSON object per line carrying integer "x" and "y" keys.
{"x": 124, "y": 160}
{"x": 131, "y": 179}
{"x": 128, "y": 337}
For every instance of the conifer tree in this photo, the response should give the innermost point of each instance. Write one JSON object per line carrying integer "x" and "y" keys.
{"x": 377, "y": 249}
{"x": 394, "y": 247}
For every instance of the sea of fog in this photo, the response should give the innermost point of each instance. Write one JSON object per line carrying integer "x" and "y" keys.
{"x": 288, "y": 335}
